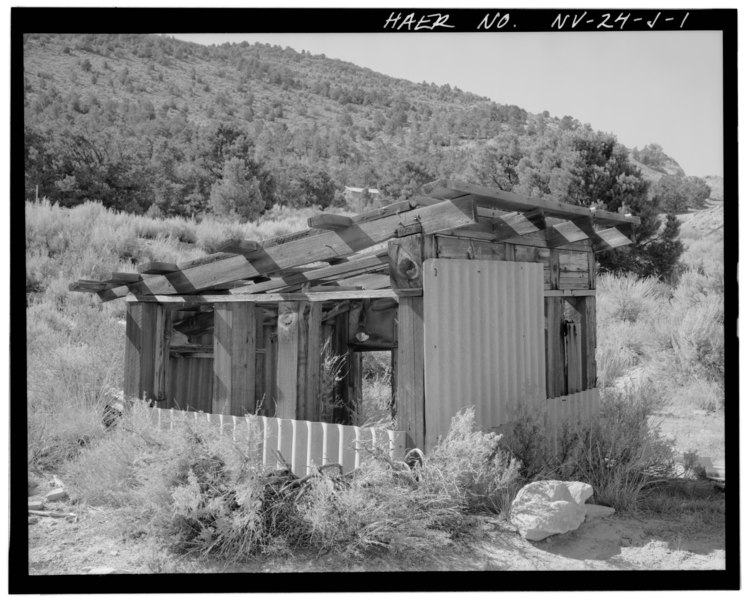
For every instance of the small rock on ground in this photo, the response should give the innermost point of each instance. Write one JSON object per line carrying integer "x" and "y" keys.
{"x": 36, "y": 503}
{"x": 56, "y": 494}
{"x": 593, "y": 511}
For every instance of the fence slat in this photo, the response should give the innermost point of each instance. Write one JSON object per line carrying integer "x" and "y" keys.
{"x": 303, "y": 444}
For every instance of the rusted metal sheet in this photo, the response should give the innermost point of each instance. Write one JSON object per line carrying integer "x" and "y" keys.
{"x": 190, "y": 384}
{"x": 304, "y": 445}
{"x": 483, "y": 341}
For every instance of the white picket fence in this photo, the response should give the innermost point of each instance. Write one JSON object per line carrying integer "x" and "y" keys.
{"x": 304, "y": 445}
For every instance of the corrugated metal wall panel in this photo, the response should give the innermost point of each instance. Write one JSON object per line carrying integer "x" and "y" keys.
{"x": 483, "y": 340}
{"x": 303, "y": 444}
{"x": 577, "y": 406}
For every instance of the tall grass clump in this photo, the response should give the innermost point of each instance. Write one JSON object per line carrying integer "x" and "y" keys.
{"x": 618, "y": 452}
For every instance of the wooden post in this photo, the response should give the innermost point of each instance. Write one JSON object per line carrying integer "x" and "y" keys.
{"x": 287, "y": 360}
{"x": 554, "y": 268}
{"x": 260, "y": 351}
{"x": 162, "y": 337}
{"x": 340, "y": 348}
{"x": 271, "y": 352}
{"x": 410, "y": 366}
{"x": 308, "y": 383}
{"x": 587, "y": 307}
{"x": 145, "y": 350}
{"x": 554, "y": 312}
{"x": 234, "y": 358}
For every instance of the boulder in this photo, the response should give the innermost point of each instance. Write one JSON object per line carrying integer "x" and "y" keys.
{"x": 56, "y": 494}
{"x": 544, "y": 508}
{"x": 593, "y": 511}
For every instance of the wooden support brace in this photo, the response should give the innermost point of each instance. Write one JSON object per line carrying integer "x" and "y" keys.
{"x": 410, "y": 376}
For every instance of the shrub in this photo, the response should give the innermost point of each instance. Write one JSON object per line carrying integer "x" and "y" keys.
{"x": 618, "y": 452}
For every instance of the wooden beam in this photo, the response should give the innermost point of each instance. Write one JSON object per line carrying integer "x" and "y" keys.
{"x": 277, "y": 297}
{"x": 234, "y": 341}
{"x": 568, "y": 293}
{"x": 410, "y": 376}
{"x": 287, "y": 360}
{"x": 239, "y": 246}
{"x": 157, "y": 268}
{"x": 448, "y": 189}
{"x": 90, "y": 286}
{"x": 329, "y": 221}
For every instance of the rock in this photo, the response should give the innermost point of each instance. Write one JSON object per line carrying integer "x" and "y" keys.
{"x": 544, "y": 508}
{"x": 56, "y": 494}
{"x": 36, "y": 503}
{"x": 594, "y": 511}
{"x": 580, "y": 491}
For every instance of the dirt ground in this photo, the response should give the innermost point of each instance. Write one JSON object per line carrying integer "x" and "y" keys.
{"x": 60, "y": 546}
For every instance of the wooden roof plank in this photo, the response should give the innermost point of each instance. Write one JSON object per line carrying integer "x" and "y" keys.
{"x": 157, "y": 268}
{"x": 350, "y": 266}
{"x": 608, "y": 239}
{"x": 568, "y": 232}
{"x": 216, "y": 270}
{"x": 447, "y": 188}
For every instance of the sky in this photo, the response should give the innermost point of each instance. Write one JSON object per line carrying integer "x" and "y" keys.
{"x": 645, "y": 87}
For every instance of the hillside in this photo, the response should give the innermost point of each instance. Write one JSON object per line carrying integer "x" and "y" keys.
{"x": 149, "y": 123}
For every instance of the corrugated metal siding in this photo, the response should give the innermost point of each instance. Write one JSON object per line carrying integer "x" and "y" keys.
{"x": 483, "y": 340}
{"x": 303, "y": 444}
{"x": 190, "y": 384}
{"x": 577, "y": 406}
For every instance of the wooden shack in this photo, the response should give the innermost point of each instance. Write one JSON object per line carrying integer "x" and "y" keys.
{"x": 483, "y": 297}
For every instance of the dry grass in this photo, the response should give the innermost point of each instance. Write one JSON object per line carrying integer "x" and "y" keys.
{"x": 205, "y": 495}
